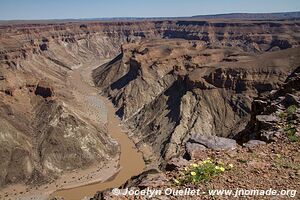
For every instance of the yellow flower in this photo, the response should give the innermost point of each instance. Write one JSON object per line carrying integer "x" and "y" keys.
{"x": 193, "y": 173}
{"x": 176, "y": 181}
{"x": 217, "y": 167}
{"x": 278, "y": 126}
{"x": 195, "y": 165}
{"x": 278, "y": 155}
{"x": 230, "y": 165}
{"x": 206, "y": 161}
{"x": 222, "y": 169}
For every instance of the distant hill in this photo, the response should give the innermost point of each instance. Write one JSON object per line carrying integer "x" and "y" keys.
{"x": 254, "y": 16}
{"x": 242, "y": 16}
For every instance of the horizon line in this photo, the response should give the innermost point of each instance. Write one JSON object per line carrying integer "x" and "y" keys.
{"x": 149, "y": 17}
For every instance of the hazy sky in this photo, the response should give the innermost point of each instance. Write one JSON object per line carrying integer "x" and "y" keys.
{"x": 61, "y": 9}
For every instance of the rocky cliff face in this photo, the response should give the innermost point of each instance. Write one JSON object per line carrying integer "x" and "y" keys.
{"x": 168, "y": 90}
{"x": 169, "y": 79}
{"x": 269, "y": 136}
{"x": 275, "y": 115}
{"x": 42, "y": 134}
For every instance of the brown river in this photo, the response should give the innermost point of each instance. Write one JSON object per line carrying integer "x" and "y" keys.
{"x": 131, "y": 161}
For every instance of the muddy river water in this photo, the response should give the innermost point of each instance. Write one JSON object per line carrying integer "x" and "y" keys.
{"x": 131, "y": 161}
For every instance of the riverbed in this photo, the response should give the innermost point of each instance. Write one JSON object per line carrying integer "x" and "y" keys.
{"x": 131, "y": 162}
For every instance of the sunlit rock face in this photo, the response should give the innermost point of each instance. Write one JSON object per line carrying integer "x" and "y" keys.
{"x": 168, "y": 79}
{"x": 170, "y": 89}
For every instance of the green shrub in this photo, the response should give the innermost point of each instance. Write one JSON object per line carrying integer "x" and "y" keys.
{"x": 293, "y": 138}
{"x": 202, "y": 171}
{"x": 291, "y": 111}
{"x": 291, "y": 133}
{"x": 282, "y": 115}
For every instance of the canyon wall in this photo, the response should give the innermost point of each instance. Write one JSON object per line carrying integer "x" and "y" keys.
{"x": 169, "y": 89}
{"x": 169, "y": 79}
{"x": 81, "y": 41}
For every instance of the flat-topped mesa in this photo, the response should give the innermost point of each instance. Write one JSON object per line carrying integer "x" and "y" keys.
{"x": 105, "y": 38}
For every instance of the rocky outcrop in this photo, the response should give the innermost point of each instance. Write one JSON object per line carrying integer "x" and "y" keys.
{"x": 176, "y": 163}
{"x": 178, "y": 88}
{"x": 213, "y": 142}
{"x": 275, "y": 116}
{"x": 193, "y": 89}
{"x": 197, "y": 143}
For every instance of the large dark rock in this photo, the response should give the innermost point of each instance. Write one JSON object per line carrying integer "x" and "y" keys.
{"x": 44, "y": 90}
{"x": 213, "y": 142}
{"x": 43, "y": 47}
{"x": 291, "y": 100}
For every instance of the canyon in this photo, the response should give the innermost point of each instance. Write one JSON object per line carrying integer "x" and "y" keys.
{"x": 170, "y": 82}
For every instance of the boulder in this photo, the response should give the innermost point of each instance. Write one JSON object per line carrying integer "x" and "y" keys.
{"x": 194, "y": 150}
{"x": 267, "y": 118}
{"x": 213, "y": 142}
{"x": 154, "y": 180}
{"x": 253, "y": 143}
{"x": 266, "y": 121}
{"x": 176, "y": 163}
{"x": 43, "y": 47}
{"x": 269, "y": 136}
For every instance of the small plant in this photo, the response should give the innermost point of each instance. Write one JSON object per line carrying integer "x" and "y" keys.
{"x": 293, "y": 138}
{"x": 202, "y": 171}
{"x": 284, "y": 162}
{"x": 281, "y": 115}
{"x": 291, "y": 133}
{"x": 291, "y": 111}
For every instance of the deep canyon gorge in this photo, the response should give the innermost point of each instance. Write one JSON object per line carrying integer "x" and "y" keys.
{"x": 171, "y": 82}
